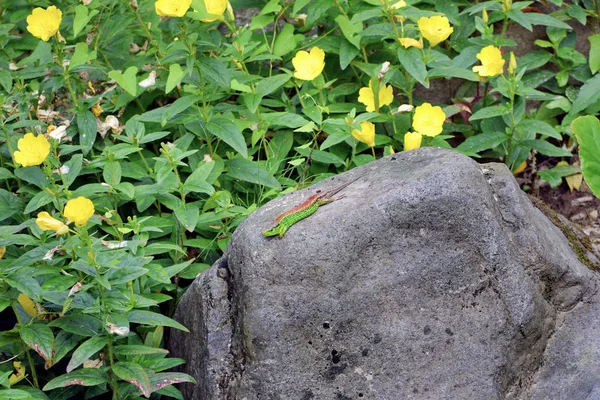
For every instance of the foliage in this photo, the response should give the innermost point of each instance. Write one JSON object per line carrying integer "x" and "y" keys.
{"x": 137, "y": 135}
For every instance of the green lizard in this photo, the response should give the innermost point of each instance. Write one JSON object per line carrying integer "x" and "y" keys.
{"x": 304, "y": 210}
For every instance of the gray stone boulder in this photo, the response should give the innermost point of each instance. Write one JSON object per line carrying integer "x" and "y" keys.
{"x": 434, "y": 277}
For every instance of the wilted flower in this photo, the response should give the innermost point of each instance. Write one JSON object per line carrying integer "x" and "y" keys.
{"x": 367, "y": 97}
{"x": 366, "y": 134}
{"x": 97, "y": 109}
{"x": 33, "y": 150}
{"x": 410, "y": 42}
{"x": 492, "y": 62}
{"x": 429, "y": 120}
{"x": 48, "y": 223}
{"x": 436, "y": 29}
{"x": 19, "y": 374}
{"x": 43, "y": 24}
{"x": 79, "y": 210}
{"x": 149, "y": 81}
{"x": 172, "y": 8}
{"x": 309, "y": 65}
{"x": 412, "y": 140}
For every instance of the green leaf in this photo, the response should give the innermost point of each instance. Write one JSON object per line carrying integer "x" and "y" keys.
{"x": 127, "y": 80}
{"x": 112, "y": 173}
{"x": 82, "y": 17}
{"x": 82, "y": 377}
{"x": 453, "y": 72}
{"x": 594, "y": 53}
{"x": 534, "y": 125}
{"x": 285, "y": 41}
{"x": 554, "y": 175}
{"x": 519, "y": 18}
{"x": 135, "y": 350}
{"x": 482, "y": 141}
{"x": 228, "y": 131}
{"x": 163, "y": 379}
{"x": 79, "y": 324}
{"x": 86, "y": 350}
{"x": 350, "y": 30}
{"x": 250, "y": 171}
{"x": 176, "y": 74}
{"x": 197, "y": 183}
{"x": 9, "y": 203}
{"x": 412, "y": 61}
{"x": 545, "y": 148}
{"x": 268, "y": 85}
{"x": 588, "y": 95}
{"x": 546, "y": 20}
{"x": 74, "y": 165}
{"x": 187, "y": 215}
{"x": 40, "y": 199}
{"x": 86, "y": 124}
{"x": 6, "y": 80}
{"x": 289, "y": 120}
{"x": 39, "y": 338}
{"x": 347, "y": 53}
{"x": 320, "y": 156}
{"x": 33, "y": 175}
{"x": 489, "y": 112}
{"x": 154, "y": 319}
{"x": 587, "y": 130}
{"x": 14, "y": 394}
{"x": 215, "y": 71}
{"x": 134, "y": 374}
{"x": 81, "y": 55}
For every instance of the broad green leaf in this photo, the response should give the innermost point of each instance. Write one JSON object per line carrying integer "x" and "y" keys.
{"x": 135, "y": 350}
{"x": 545, "y": 148}
{"x": 489, "y": 112}
{"x": 215, "y": 71}
{"x": 82, "y": 377}
{"x": 298, "y": 5}
{"x": 285, "y": 42}
{"x": 520, "y": 18}
{"x": 268, "y": 85}
{"x": 33, "y": 175}
{"x": 6, "y": 80}
{"x": 289, "y": 120}
{"x": 176, "y": 74}
{"x": 482, "y": 141}
{"x": 81, "y": 55}
{"x": 40, "y": 199}
{"x": 587, "y": 130}
{"x": 554, "y": 175}
{"x": 86, "y": 124}
{"x": 324, "y": 157}
{"x": 127, "y": 80}
{"x": 350, "y": 30}
{"x": 154, "y": 319}
{"x": 74, "y": 166}
{"x": 79, "y": 324}
{"x": 39, "y": 337}
{"x": 134, "y": 374}
{"x": 588, "y": 95}
{"x": 112, "y": 173}
{"x": 534, "y": 125}
{"x": 250, "y": 171}
{"x": 163, "y": 379}
{"x": 227, "y": 130}
{"x": 9, "y": 203}
{"x": 14, "y": 394}
{"x": 187, "y": 215}
{"x": 412, "y": 61}
{"x": 82, "y": 17}
{"x": 594, "y": 53}
{"x": 348, "y": 52}
{"x": 453, "y": 72}
{"x": 86, "y": 350}
{"x": 546, "y": 20}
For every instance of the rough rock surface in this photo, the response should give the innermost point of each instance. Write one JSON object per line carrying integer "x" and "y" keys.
{"x": 433, "y": 278}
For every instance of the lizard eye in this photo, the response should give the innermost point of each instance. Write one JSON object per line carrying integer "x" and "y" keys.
{"x": 319, "y": 191}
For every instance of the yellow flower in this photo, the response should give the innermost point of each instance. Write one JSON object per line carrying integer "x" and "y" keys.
{"x": 27, "y": 304}
{"x": 172, "y": 8}
{"x": 367, "y": 97}
{"x": 19, "y": 374}
{"x": 512, "y": 64}
{"x": 398, "y": 5}
{"x": 43, "y": 24}
{"x": 2, "y": 251}
{"x": 33, "y": 150}
{"x": 97, "y": 109}
{"x": 428, "y": 120}
{"x": 309, "y": 66}
{"x": 410, "y": 42}
{"x": 412, "y": 140}
{"x": 366, "y": 134}
{"x": 216, "y": 7}
{"x": 79, "y": 210}
{"x": 436, "y": 29}
{"x": 48, "y": 223}
{"x": 492, "y": 62}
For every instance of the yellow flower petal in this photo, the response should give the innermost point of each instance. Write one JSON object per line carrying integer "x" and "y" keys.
{"x": 2, "y": 251}
{"x": 429, "y": 120}
{"x": 79, "y": 210}
{"x": 436, "y": 29}
{"x": 412, "y": 140}
{"x": 172, "y": 8}
{"x": 492, "y": 62}
{"x": 27, "y": 304}
{"x": 33, "y": 150}
{"x": 216, "y": 7}
{"x": 48, "y": 223}
{"x": 367, "y": 97}
{"x": 366, "y": 134}
{"x": 309, "y": 65}
{"x": 43, "y": 24}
